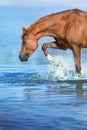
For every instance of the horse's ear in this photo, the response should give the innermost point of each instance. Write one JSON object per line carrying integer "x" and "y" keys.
{"x": 24, "y": 30}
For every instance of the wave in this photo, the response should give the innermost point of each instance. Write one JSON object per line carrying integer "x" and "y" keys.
{"x": 63, "y": 69}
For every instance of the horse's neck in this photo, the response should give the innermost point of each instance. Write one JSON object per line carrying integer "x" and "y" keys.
{"x": 41, "y": 31}
{"x": 46, "y": 33}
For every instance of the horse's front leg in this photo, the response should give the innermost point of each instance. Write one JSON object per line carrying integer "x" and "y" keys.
{"x": 49, "y": 45}
{"x": 77, "y": 55}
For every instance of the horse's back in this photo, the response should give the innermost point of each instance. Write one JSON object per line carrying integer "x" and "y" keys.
{"x": 76, "y": 28}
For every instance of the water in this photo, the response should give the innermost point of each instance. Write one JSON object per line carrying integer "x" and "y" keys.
{"x": 38, "y": 95}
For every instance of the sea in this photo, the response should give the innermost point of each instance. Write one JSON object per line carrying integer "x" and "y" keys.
{"x": 38, "y": 94}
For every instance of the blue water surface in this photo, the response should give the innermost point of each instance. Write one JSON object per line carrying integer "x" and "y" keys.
{"x": 38, "y": 95}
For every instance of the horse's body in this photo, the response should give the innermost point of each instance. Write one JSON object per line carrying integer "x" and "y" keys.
{"x": 68, "y": 28}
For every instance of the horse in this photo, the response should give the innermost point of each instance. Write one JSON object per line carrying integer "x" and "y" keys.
{"x": 68, "y": 28}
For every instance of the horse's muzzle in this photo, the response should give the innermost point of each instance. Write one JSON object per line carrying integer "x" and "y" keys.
{"x": 23, "y": 57}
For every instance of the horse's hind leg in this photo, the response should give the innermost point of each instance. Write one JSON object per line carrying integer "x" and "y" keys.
{"x": 49, "y": 45}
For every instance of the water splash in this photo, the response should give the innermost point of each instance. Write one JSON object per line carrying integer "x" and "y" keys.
{"x": 64, "y": 69}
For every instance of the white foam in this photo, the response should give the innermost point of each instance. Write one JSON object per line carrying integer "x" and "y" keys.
{"x": 63, "y": 68}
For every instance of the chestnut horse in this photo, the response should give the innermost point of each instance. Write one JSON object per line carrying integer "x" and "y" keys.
{"x": 68, "y": 28}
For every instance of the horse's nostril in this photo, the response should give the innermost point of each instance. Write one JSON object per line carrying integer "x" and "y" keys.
{"x": 19, "y": 57}
{"x": 23, "y": 58}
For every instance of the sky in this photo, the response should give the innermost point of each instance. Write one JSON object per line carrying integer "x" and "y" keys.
{"x": 45, "y": 3}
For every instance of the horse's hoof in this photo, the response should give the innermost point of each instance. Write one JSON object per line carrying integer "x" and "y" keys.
{"x": 50, "y": 58}
{"x": 79, "y": 74}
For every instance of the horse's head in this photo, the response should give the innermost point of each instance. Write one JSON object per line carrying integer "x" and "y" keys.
{"x": 29, "y": 45}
